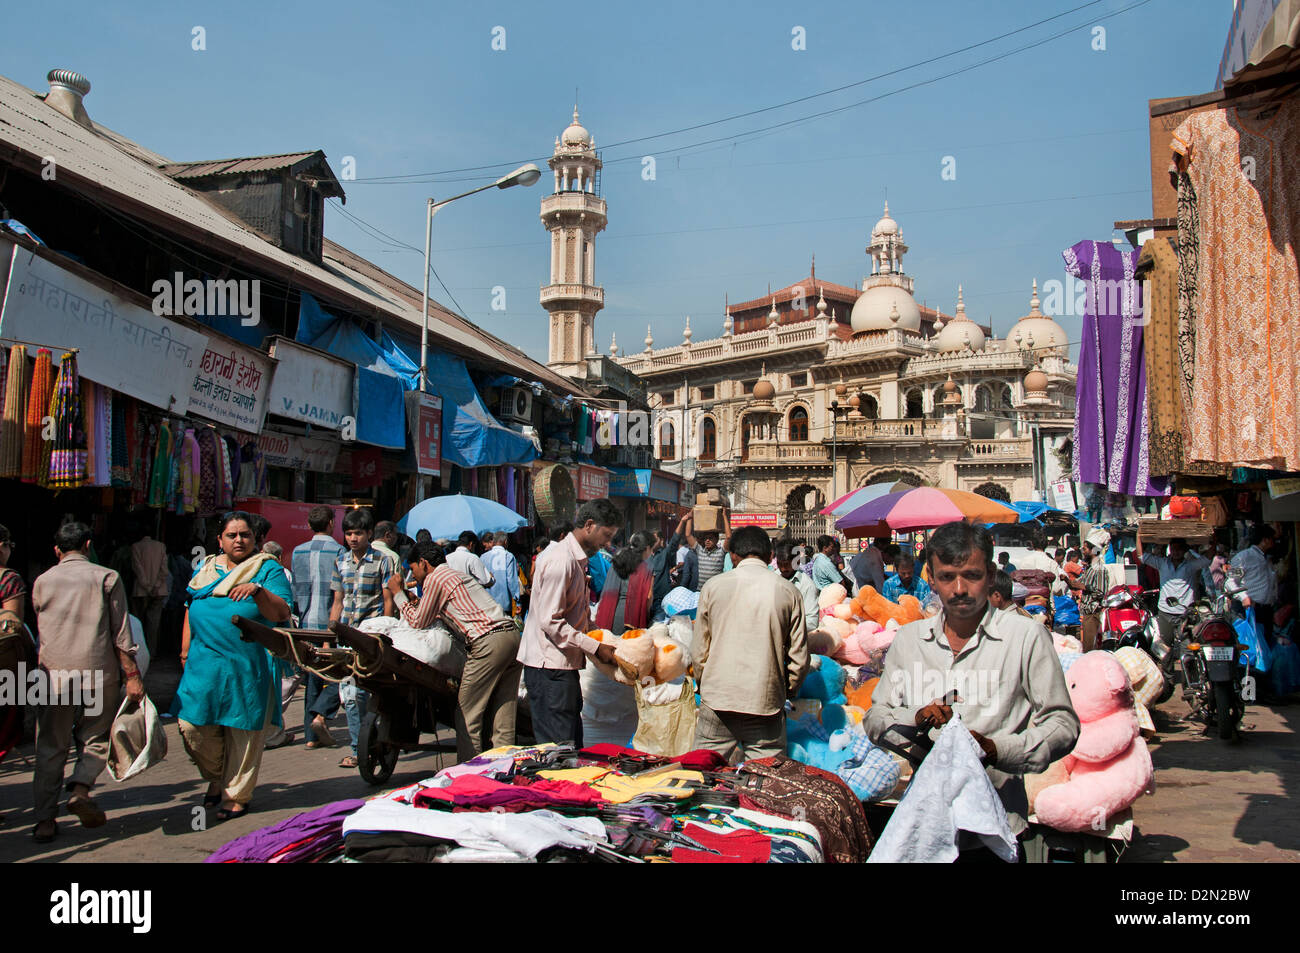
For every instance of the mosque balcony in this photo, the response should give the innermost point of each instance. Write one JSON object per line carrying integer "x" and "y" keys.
{"x": 876, "y": 342}
{"x": 1005, "y": 450}
{"x": 912, "y": 428}
{"x": 582, "y": 203}
{"x": 786, "y": 452}
{"x": 580, "y": 294}
{"x": 780, "y": 339}
{"x": 968, "y": 361}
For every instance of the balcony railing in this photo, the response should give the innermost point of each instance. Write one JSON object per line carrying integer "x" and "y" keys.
{"x": 573, "y": 202}
{"x": 1009, "y": 448}
{"x": 916, "y": 427}
{"x": 592, "y": 293}
{"x": 776, "y": 451}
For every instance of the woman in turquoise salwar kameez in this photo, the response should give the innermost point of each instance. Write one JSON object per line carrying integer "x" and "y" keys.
{"x": 229, "y": 694}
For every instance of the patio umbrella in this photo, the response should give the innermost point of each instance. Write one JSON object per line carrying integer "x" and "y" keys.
{"x": 863, "y": 494}
{"x": 922, "y": 508}
{"x": 446, "y": 517}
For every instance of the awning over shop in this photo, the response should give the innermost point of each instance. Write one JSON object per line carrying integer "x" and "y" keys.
{"x": 644, "y": 483}
{"x": 1263, "y": 41}
{"x": 471, "y": 436}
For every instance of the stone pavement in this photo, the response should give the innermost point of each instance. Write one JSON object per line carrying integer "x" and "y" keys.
{"x": 1215, "y": 801}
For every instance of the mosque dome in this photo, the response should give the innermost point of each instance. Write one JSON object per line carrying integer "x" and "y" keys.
{"x": 876, "y": 308}
{"x": 763, "y": 390}
{"x": 961, "y": 332}
{"x": 575, "y": 134}
{"x": 1035, "y": 382}
{"x": 1035, "y": 330}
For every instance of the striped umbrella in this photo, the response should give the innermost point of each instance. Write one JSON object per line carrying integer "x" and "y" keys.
{"x": 922, "y": 508}
{"x": 863, "y": 494}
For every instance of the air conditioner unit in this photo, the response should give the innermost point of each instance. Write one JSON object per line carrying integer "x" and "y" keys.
{"x": 517, "y": 405}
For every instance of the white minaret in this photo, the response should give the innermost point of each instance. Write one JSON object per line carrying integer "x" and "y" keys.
{"x": 574, "y": 213}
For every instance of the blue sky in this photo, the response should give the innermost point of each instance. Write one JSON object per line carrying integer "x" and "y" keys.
{"x": 1050, "y": 143}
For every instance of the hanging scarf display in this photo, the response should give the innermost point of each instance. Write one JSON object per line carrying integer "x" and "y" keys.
{"x": 226, "y": 496}
{"x": 11, "y": 425}
{"x": 68, "y": 458}
{"x": 103, "y": 447}
{"x": 140, "y": 448}
{"x": 232, "y": 454}
{"x": 4, "y": 367}
{"x": 38, "y": 406}
{"x": 160, "y": 476}
{"x": 187, "y": 501}
{"x": 120, "y": 453}
{"x": 209, "y": 471}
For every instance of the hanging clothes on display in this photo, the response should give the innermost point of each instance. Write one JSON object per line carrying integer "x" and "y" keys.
{"x": 209, "y": 471}
{"x": 38, "y": 407}
{"x": 1111, "y": 437}
{"x": 120, "y": 454}
{"x": 1242, "y": 166}
{"x": 160, "y": 475}
{"x": 232, "y": 454}
{"x": 188, "y": 498}
{"x": 1157, "y": 269}
{"x": 11, "y": 425}
{"x": 69, "y": 456}
{"x": 225, "y": 498}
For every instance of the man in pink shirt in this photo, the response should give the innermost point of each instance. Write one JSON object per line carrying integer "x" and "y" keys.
{"x": 555, "y": 645}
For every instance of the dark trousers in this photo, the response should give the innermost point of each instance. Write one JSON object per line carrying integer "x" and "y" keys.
{"x": 555, "y": 703}
{"x": 320, "y": 698}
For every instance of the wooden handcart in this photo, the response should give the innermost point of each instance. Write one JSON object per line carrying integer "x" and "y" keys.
{"x": 407, "y": 697}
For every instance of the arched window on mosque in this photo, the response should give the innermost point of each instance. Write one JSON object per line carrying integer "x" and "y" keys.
{"x": 798, "y": 424}
{"x": 708, "y": 440}
{"x": 869, "y": 407}
{"x": 913, "y": 406}
{"x": 667, "y": 441}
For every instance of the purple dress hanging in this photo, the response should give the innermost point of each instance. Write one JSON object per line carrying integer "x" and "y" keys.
{"x": 1111, "y": 432}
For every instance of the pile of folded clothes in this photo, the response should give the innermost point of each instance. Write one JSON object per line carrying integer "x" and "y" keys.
{"x": 554, "y": 804}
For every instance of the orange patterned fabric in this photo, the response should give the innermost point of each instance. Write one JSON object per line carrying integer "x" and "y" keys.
{"x": 1243, "y": 165}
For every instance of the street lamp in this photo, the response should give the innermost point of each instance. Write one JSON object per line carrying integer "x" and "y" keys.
{"x": 524, "y": 175}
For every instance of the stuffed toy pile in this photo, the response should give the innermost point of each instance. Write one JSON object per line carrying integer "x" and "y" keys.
{"x": 654, "y": 653}
{"x": 1110, "y": 766}
{"x": 860, "y": 630}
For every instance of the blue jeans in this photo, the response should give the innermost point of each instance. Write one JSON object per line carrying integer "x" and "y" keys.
{"x": 355, "y": 701}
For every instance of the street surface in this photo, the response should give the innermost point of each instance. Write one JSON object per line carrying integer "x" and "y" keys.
{"x": 1214, "y": 801}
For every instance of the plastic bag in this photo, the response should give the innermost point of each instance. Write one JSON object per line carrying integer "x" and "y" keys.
{"x": 667, "y": 730}
{"x": 1286, "y": 665}
{"x": 136, "y": 740}
{"x": 1256, "y": 655}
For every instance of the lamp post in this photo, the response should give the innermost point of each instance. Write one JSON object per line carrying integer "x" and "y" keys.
{"x": 835, "y": 414}
{"x": 524, "y": 175}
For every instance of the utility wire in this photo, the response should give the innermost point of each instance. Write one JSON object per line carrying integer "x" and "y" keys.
{"x": 415, "y": 176}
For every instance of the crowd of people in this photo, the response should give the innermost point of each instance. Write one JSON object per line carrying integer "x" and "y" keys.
{"x": 530, "y": 620}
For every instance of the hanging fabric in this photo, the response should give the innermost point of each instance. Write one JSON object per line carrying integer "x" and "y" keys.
{"x": 189, "y": 482}
{"x": 69, "y": 455}
{"x": 226, "y": 493}
{"x": 1247, "y": 344}
{"x": 178, "y": 462}
{"x": 11, "y": 425}
{"x": 38, "y": 406}
{"x": 160, "y": 475}
{"x": 209, "y": 464}
{"x": 120, "y": 475}
{"x": 1111, "y": 436}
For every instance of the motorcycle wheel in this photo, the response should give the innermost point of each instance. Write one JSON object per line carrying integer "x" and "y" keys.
{"x": 1223, "y": 709}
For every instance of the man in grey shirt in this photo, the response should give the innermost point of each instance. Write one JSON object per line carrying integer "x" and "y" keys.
{"x": 1011, "y": 690}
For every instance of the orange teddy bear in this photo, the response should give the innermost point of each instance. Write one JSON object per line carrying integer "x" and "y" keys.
{"x": 871, "y": 605}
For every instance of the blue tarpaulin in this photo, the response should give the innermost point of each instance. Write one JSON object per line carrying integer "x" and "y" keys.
{"x": 471, "y": 436}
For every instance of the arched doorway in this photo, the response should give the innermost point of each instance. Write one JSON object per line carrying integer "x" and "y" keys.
{"x": 993, "y": 491}
{"x": 803, "y": 520}
{"x": 894, "y": 476}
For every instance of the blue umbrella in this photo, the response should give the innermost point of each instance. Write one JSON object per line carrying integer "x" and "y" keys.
{"x": 446, "y": 517}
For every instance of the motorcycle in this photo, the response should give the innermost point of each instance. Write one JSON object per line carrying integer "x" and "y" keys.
{"x": 1128, "y": 617}
{"x": 1214, "y": 673}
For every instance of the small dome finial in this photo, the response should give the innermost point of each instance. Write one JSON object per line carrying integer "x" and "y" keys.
{"x": 961, "y": 304}
{"x": 773, "y": 316}
{"x": 1034, "y": 303}
{"x": 686, "y": 331}
{"x": 649, "y": 339}
{"x": 821, "y": 301}
{"x": 613, "y": 344}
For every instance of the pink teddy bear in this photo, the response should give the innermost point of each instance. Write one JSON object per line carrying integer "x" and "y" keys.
{"x": 1110, "y": 766}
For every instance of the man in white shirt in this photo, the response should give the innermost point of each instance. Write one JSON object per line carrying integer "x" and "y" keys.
{"x": 465, "y": 561}
{"x": 1259, "y": 577}
{"x": 1037, "y": 559}
{"x": 1179, "y": 564}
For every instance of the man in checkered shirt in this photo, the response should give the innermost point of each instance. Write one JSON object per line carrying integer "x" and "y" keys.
{"x": 359, "y": 594}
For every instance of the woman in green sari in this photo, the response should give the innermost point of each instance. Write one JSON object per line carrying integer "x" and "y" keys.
{"x": 229, "y": 694}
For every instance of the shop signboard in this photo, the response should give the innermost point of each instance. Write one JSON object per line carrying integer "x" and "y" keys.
{"x": 310, "y": 386}
{"x": 761, "y": 520}
{"x": 1063, "y": 496}
{"x": 120, "y": 344}
{"x": 298, "y": 453}
{"x": 592, "y": 483}
{"x": 664, "y": 487}
{"x": 424, "y": 418}
{"x": 629, "y": 483}
{"x": 231, "y": 383}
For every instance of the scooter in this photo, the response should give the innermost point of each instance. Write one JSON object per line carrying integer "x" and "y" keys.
{"x": 1128, "y": 618}
{"x": 1213, "y": 671}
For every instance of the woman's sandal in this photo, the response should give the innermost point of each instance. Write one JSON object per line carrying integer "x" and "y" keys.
{"x": 348, "y": 762}
{"x": 226, "y": 814}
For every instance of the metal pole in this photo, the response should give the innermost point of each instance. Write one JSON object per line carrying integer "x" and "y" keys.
{"x": 424, "y": 301}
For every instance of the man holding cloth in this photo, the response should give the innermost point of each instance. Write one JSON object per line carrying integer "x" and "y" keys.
{"x": 1011, "y": 690}
{"x": 751, "y": 646}
{"x": 555, "y": 645}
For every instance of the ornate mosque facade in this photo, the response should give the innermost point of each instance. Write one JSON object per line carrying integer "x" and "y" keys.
{"x": 818, "y": 388}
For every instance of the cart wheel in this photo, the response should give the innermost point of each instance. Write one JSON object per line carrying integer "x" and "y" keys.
{"x": 376, "y": 755}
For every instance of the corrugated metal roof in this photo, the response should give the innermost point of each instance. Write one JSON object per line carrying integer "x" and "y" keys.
{"x": 107, "y": 168}
{"x": 197, "y": 170}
